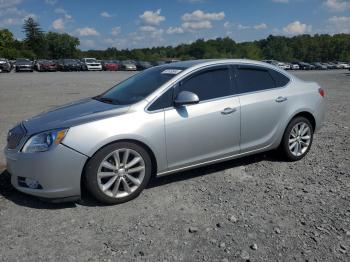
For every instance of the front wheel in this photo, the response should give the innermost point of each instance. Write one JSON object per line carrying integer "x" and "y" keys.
{"x": 118, "y": 172}
{"x": 297, "y": 139}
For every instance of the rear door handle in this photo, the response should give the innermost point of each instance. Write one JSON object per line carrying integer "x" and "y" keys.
{"x": 228, "y": 110}
{"x": 281, "y": 99}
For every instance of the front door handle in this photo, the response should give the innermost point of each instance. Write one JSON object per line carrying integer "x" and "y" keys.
{"x": 228, "y": 110}
{"x": 281, "y": 99}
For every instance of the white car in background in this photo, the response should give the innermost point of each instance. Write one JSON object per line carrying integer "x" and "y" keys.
{"x": 343, "y": 65}
{"x": 283, "y": 66}
{"x": 91, "y": 64}
{"x": 294, "y": 66}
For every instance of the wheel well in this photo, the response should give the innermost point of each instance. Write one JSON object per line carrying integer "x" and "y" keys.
{"x": 309, "y": 117}
{"x": 147, "y": 148}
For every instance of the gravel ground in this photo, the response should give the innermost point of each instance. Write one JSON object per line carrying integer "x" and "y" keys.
{"x": 258, "y": 208}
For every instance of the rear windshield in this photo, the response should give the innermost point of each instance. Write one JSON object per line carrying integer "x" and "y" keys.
{"x": 139, "y": 86}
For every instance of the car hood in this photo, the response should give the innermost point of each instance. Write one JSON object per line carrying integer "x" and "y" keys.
{"x": 76, "y": 113}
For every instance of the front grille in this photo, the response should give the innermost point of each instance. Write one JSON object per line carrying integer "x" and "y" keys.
{"x": 15, "y": 136}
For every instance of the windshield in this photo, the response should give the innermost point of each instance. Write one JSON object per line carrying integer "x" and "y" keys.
{"x": 22, "y": 60}
{"x": 139, "y": 86}
{"x": 90, "y": 60}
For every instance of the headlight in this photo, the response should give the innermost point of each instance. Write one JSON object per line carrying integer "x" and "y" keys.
{"x": 44, "y": 141}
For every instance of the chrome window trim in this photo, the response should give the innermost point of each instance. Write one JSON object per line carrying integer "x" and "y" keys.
{"x": 232, "y": 64}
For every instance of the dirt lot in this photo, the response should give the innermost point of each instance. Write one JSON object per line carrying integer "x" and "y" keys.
{"x": 257, "y": 208}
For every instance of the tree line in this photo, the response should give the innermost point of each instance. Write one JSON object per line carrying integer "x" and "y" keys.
{"x": 53, "y": 45}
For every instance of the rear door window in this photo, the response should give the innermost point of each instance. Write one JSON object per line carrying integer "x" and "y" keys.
{"x": 254, "y": 78}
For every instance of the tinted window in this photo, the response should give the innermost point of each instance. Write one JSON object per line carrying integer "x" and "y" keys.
{"x": 280, "y": 79}
{"x": 251, "y": 79}
{"x": 164, "y": 101}
{"x": 210, "y": 84}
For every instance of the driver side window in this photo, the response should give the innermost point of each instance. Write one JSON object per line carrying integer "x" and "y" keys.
{"x": 209, "y": 84}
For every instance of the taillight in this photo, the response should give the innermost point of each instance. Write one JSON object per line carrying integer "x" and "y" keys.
{"x": 321, "y": 91}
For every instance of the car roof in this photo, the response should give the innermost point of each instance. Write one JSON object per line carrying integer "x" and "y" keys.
{"x": 208, "y": 62}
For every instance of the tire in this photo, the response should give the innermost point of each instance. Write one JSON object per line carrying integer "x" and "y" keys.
{"x": 292, "y": 151}
{"x": 103, "y": 186}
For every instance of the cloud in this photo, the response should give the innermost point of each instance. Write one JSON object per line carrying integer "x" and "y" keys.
{"x": 116, "y": 30}
{"x": 243, "y": 27}
{"x": 105, "y": 14}
{"x": 337, "y": 5}
{"x": 152, "y": 18}
{"x": 338, "y": 24}
{"x": 147, "y": 28}
{"x": 260, "y": 26}
{"x": 175, "y": 30}
{"x": 87, "y": 31}
{"x": 63, "y": 12}
{"x": 199, "y": 15}
{"x": 297, "y": 28}
{"x": 197, "y": 25}
{"x": 13, "y": 16}
{"x": 58, "y": 24}
{"x": 281, "y": 1}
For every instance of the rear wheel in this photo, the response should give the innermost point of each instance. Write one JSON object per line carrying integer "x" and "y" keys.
{"x": 297, "y": 139}
{"x": 118, "y": 172}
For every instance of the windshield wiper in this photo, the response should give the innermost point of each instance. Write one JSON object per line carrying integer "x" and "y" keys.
{"x": 106, "y": 100}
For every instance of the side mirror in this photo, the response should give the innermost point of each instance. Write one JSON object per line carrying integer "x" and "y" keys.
{"x": 186, "y": 98}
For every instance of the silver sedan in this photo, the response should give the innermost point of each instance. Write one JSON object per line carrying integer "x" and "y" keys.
{"x": 163, "y": 120}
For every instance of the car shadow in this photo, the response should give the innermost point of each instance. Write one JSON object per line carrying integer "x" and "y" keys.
{"x": 10, "y": 193}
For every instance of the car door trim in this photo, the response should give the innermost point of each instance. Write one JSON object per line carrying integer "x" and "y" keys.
{"x": 233, "y": 79}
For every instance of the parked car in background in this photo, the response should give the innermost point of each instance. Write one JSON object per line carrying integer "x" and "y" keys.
{"x": 283, "y": 66}
{"x": 334, "y": 65}
{"x": 329, "y": 66}
{"x": 68, "y": 65}
{"x": 142, "y": 65}
{"x": 295, "y": 66}
{"x": 23, "y": 64}
{"x": 344, "y": 65}
{"x": 128, "y": 66}
{"x": 319, "y": 66}
{"x": 304, "y": 66}
{"x": 79, "y": 64}
{"x": 110, "y": 65}
{"x": 157, "y": 63}
{"x": 162, "y": 121}
{"x": 91, "y": 64}
{"x": 5, "y": 65}
{"x": 45, "y": 65}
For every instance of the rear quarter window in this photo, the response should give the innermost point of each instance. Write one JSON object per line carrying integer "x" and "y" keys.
{"x": 280, "y": 79}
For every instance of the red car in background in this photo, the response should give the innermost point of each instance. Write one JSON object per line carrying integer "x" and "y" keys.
{"x": 110, "y": 65}
{"x": 45, "y": 65}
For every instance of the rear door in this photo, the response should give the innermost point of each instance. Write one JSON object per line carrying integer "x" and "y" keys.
{"x": 264, "y": 101}
{"x": 207, "y": 130}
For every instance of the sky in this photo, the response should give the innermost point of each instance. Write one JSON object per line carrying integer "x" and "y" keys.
{"x": 146, "y": 23}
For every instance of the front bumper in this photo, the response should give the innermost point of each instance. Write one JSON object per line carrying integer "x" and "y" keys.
{"x": 93, "y": 67}
{"x": 24, "y": 68}
{"x": 58, "y": 171}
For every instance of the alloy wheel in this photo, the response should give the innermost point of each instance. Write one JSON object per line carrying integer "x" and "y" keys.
{"x": 299, "y": 139}
{"x": 121, "y": 173}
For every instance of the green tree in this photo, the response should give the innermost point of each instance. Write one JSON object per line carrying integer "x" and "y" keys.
{"x": 61, "y": 45}
{"x": 34, "y": 39}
